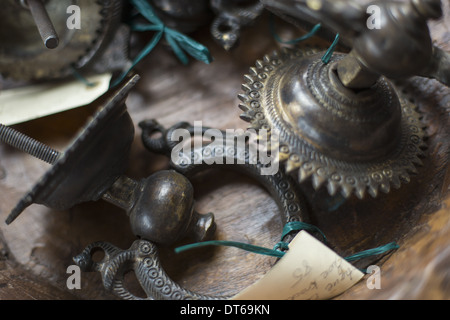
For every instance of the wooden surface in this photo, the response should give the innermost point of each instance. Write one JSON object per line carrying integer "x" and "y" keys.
{"x": 37, "y": 248}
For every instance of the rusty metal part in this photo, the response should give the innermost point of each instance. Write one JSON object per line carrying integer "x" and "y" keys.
{"x": 400, "y": 47}
{"x": 43, "y": 23}
{"x": 183, "y": 15}
{"x": 355, "y": 142}
{"x": 232, "y": 16}
{"x": 344, "y": 123}
{"x": 24, "y": 58}
{"x": 160, "y": 207}
{"x": 29, "y": 145}
{"x": 142, "y": 256}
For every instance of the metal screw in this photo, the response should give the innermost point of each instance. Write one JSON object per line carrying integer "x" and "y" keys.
{"x": 43, "y": 22}
{"x": 29, "y": 145}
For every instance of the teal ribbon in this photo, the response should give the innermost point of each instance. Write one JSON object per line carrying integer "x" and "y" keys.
{"x": 181, "y": 44}
{"x": 372, "y": 252}
{"x": 276, "y": 252}
{"x": 327, "y": 56}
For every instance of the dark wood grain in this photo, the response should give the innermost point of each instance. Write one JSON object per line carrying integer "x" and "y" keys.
{"x": 42, "y": 242}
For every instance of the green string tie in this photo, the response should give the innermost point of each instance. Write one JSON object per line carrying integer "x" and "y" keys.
{"x": 180, "y": 43}
{"x": 240, "y": 245}
{"x": 298, "y": 226}
{"x": 326, "y": 57}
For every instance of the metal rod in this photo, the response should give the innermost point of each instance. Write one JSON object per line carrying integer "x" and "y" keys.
{"x": 29, "y": 145}
{"x": 43, "y": 23}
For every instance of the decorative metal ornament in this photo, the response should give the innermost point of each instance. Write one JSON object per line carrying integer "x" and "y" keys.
{"x": 232, "y": 15}
{"x": 54, "y": 51}
{"x": 342, "y": 123}
{"x": 160, "y": 207}
{"x": 324, "y": 132}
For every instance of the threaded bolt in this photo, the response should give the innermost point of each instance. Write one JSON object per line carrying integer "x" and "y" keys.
{"x": 29, "y": 145}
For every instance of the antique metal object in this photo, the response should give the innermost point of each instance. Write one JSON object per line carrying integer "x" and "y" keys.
{"x": 24, "y": 57}
{"x": 227, "y": 17}
{"x": 183, "y": 15}
{"x": 344, "y": 123}
{"x": 160, "y": 207}
{"x": 142, "y": 256}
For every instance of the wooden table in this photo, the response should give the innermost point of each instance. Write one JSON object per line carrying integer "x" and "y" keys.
{"x": 37, "y": 248}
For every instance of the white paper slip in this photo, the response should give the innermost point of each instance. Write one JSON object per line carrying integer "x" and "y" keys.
{"x": 27, "y": 103}
{"x": 308, "y": 271}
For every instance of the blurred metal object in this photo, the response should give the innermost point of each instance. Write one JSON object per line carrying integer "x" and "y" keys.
{"x": 183, "y": 15}
{"x": 353, "y": 143}
{"x": 24, "y": 58}
{"x": 102, "y": 163}
{"x": 345, "y": 124}
{"x": 160, "y": 207}
{"x": 232, "y": 15}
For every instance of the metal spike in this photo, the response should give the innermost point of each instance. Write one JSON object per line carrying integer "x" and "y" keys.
{"x": 332, "y": 187}
{"x": 291, "y": 166}
{"x": 385, "y": 187}
{"x": 395, "y": 182}
{"x": 246, "y": 117}
{"x": 248, "y": 78}
{"x": 359, "y": 192}
{"x": 254, "y": 71}
{"x": 246, "y": 87}
{"x": 373, "y": 191}
{"x": 244, "y": 107}
{"x": 346, "y": 190}
{"x": 243, "y": 97}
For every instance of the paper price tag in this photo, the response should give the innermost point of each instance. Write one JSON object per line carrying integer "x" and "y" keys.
{"x": 23, "y": 104}
{"x": 309, "y": 270}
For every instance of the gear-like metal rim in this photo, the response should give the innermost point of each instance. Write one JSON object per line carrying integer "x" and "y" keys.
{"x": 298, "y": 156}
{"x": 96, "y": 31}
